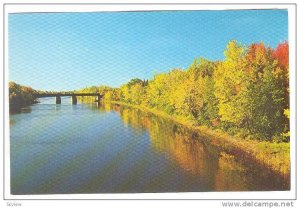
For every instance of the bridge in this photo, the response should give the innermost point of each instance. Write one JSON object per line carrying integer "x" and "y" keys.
{"x": 72, "y": 95}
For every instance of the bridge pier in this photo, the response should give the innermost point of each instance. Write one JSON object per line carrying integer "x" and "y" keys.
{"x": 74, "y": 99}
{"x": 98, "y": 99}
{"x": 58, "y": 99}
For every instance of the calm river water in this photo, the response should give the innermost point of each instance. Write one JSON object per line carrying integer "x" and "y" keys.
{"x": 86, "y": 148}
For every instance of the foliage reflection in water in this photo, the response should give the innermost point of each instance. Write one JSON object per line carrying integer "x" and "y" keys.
{"x": 115, "y": 149}
{"x": 192, "y": 152}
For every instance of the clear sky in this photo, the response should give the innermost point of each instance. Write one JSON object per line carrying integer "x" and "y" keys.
{"x": 66, "y": 51}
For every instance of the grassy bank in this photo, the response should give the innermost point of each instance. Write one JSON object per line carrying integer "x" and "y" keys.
{"x": 275, "y": 156}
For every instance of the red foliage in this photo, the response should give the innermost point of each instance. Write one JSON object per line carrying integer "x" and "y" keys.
{"x": 281, "y": 53}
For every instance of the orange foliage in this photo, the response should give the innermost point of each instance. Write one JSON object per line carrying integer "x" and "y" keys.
{"x": 281, "y": 53}
{"x": 257, "y": 52}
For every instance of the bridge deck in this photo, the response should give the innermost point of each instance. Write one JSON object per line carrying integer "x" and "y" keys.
{"x": 68, "y": 94}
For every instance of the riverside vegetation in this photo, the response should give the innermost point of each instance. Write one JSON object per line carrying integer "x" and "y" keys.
{"x": 20, "y": 96}
{"x": 242, "y": 102}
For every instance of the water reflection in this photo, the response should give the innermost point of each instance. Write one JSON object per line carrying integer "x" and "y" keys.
{"x": 193, "y": 152}
{"x": 20, "y": 110}
{"x": 90, "y": 148}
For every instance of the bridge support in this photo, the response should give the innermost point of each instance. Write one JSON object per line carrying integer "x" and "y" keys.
{"x": 74, "y": 99}
{"x": 98, "y": 99}
{"x": 58, "y": 100}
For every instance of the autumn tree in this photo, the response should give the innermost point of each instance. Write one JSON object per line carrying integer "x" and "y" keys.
{"x": 200, "y": 97}
{"x": 231, "y": 87}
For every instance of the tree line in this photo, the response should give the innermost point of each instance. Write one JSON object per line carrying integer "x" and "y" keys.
{"x": 20, "y": 96}
{"x": 246, "y": 94}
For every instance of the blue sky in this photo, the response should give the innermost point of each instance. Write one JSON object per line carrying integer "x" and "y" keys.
{"x": 66, "y": 51}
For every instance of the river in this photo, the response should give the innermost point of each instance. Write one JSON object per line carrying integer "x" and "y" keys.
{"x": 86, "y": 148}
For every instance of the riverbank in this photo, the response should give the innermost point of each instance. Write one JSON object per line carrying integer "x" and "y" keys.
{"x": 20, "y": 96}
{"x": 275, "y": 156}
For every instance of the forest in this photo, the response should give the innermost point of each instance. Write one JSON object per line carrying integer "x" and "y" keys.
{"x": 246, "y": 94}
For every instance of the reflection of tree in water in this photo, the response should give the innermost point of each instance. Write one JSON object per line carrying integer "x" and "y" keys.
{"x": 194, "y": 153}
{"x": 178, "y": 143}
